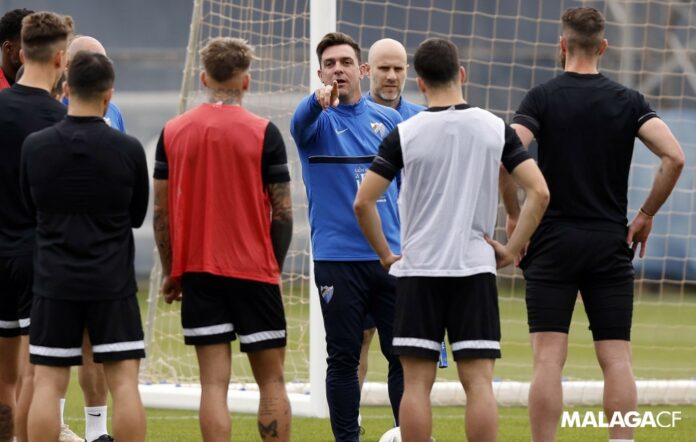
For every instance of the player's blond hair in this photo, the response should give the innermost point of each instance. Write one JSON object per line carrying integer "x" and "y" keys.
{"x": 225, "y": 57}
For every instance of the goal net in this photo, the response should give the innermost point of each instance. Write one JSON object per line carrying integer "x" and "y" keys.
{"x": 507, "y": 47}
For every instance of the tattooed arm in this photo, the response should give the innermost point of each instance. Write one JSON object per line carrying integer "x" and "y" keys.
{"x": 276, "y": 176}
{"x": 281, "y": 219}
{"x": 170, "y": 287}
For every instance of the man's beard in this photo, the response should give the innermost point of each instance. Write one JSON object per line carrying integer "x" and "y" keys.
{"x": 390, "y": 96}
{"x": 562, "y": 59}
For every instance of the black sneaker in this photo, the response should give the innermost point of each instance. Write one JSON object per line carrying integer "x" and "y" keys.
{"x": 104, "y": 438}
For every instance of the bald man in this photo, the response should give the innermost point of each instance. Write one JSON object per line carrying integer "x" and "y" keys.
{"x": 91, "y": 375}
{"x": 90, "y": 44}
{"x": 387, "y": 67}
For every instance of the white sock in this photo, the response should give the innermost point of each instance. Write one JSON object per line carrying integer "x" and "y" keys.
{"x": 620, "y": 440}
{"x": 62, "y": 410}
{"x": 95, "y": 422}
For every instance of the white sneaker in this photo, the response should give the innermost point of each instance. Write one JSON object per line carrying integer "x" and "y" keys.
{"x": 67, "y": 435}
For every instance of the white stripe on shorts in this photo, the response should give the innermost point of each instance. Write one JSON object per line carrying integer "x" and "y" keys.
{"x": 9, "y": 324}
{"x": 262, "y": 336}
{"x": 53, "y": 352}
{"x": 118, "y": 346}
{"x": 24, "y": 322}
{"x": 416, "y": 342}
{"x": 476, "y": 345}
{"x": 209, "y": 331}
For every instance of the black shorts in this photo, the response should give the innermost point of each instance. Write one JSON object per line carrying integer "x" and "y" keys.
{"x": 16, "y": 278}
{"x": 114, "y": 327}
{"x": 215, "y": 309}
{"x": 563, "y": 260}
{"x": 369, "y": 322}
{"x": 467, "y": 307}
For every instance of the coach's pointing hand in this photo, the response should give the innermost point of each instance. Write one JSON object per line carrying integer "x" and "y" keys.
{"x": 327, "y": 95}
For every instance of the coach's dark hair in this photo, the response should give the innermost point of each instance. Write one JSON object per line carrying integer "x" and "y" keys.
{"x": 583, "y": 29}
{"x": 225, "y": 57}
{"x": 11, "y": 24}
{"x": 43, "y": 33}
{"x": 90, "y": 75}
{"x": 437, "y": 62}
{"x": 336, "y": 39}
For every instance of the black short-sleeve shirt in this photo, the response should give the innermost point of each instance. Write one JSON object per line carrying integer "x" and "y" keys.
{"x": 585, "y": 125}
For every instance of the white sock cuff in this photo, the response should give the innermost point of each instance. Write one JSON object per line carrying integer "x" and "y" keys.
{"x": 96, "y": 410}
{"x": 620, "y": 440}
{"x": 62, "y": 411}
{"x": 95, "y": 422}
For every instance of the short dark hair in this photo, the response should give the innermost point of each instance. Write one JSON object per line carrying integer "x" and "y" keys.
{"x": 225, "y": 57}
{"x": 90, "y": 75}
{"x": 11, "y": 24}
{"x": 437, "y": 62}
{"x": 583, "y": 29}
{"x": 42, "y": 32}
{"x": 337, "y": 39}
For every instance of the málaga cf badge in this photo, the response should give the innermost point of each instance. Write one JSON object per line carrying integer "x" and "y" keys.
{"x": 378, "y": 128}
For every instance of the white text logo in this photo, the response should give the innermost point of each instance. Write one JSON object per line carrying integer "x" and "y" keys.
{"x": 632, "y": 419}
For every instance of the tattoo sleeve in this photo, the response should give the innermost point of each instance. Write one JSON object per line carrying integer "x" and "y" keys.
{"x": 6, "y": 423}
{"x": 281, "y": 220}
{"x": 161, "y": 225}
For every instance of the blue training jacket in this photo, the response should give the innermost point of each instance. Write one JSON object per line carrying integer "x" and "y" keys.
{"x": 112, "y": 117}
{"x": 405, "y": 108}
{"x": 336, "y": 148}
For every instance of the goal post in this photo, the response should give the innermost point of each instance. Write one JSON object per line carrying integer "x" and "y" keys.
{"x": 507, "y": 47}
{"x": 322, "y": 20}
{"x": 182, "y": 392}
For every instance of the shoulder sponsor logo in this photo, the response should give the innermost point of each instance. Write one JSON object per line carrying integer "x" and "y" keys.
{"x": 339, "y": 132}
{"x": 378, "y": 128}
{"x": 326, "y": 292}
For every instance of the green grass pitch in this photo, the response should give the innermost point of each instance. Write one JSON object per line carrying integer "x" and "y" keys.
{"x": 448, "y": 425}
{"x": 659, "y": 344}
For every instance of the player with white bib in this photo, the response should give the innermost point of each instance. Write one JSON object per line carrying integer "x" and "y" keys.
{"x": 448, "y": 157}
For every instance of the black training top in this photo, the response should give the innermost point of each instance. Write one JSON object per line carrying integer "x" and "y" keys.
{"x": 23, "y": 110}
{"x": 88, "y": 185}
{"x": 586, "y": 125}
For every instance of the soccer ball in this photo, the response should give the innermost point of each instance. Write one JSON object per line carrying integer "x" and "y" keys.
{"x": 392, "y": 435}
